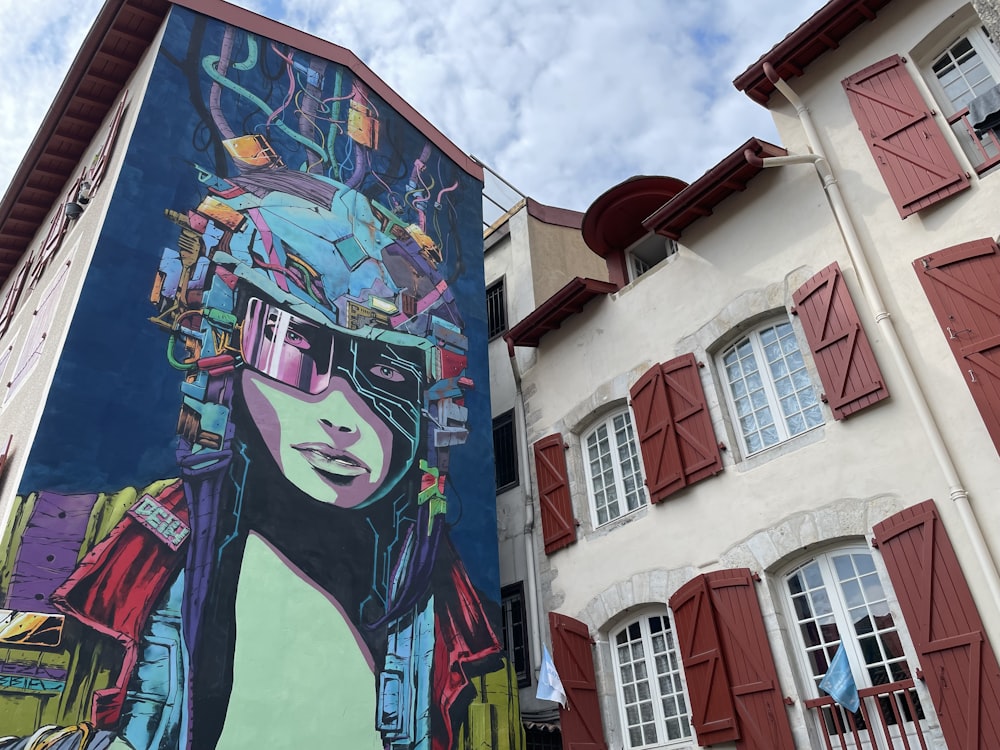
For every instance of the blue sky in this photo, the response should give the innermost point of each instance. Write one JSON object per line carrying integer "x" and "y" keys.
{"x": 564, "y": 98}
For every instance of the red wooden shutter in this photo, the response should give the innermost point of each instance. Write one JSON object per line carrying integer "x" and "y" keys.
{"x": 558, "y": 524}
{"x": 724, "y": 605}
{"x": 911, "y": 152}
{"x": 674, "y": 427}
{"x": 100, "y": 162}
{"x": 962, "y": 284}
{"x": 712, "y": 710}
{"x": 571, "y": 652}
{"x": 958, "y": 663}
{"x": 844, "y": 357}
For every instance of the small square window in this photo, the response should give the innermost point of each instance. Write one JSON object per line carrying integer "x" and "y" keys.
{"x": 496, "y": 310}
{"x": 515, "y": 633}
{"x": 505, "y": 451}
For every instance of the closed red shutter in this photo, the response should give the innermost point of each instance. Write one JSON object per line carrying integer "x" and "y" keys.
{"x": 958, "y": 663}
{"x": 712, "y": 710}
{"x": 962, "y": 284}
{"x": 721, "y": 632}
{"x": 558, "y": 524}
{"x": 674, "y": 427}
{"x": 911, "y": 152}
{"x": 844, "y": 357}
{"x": 9, "y": 306}
{"x": 571, "y": 652}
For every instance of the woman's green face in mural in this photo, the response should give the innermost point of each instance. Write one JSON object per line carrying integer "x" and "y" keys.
{"x": 323, "y": 435}
{"x": 331, "y": 445}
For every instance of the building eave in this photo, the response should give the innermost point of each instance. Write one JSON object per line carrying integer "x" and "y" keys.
{"x": 555, "y": 311}
{"x": 699, "y": 199}
{"x": 822, "y": 32}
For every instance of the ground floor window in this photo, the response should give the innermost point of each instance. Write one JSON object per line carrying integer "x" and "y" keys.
{"x": 649, "y": 682}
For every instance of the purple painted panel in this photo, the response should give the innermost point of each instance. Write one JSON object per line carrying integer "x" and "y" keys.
{"x": 49, "y": 550}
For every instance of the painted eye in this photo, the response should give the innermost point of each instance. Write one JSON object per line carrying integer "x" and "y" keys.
{"x": 387, "y": 373}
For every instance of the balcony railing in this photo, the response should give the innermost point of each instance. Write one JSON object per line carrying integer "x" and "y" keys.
{"x": 983, "y": 151}
{"x": 889, "y": 718}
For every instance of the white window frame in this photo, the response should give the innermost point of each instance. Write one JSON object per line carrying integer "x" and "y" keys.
{"x": 644, "y": 254}
{"x": 784, "y": 431}
{"x": 627, "y": 695}
{"x": 984, "y": 50}
{"x": 618, "y": 473}
{"x": 827, "y": 607}
{"x": 982, "y": 151}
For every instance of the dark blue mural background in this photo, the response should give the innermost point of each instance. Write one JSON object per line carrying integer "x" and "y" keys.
{"x": 111, "y": 415}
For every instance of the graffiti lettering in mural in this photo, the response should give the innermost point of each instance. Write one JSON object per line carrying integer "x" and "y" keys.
{"x": 296, "y": 581}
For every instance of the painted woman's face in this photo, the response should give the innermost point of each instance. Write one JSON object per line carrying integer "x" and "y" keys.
{"x": 331, "y": 445}
{"x": 303, "y": 388}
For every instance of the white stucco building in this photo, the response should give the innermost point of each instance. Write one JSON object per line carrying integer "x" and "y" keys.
{"x": 765, "y": 433}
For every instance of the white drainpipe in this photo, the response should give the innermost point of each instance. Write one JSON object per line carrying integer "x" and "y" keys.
{"x": 531, "y": 584}
{"x": 958, "y": 494}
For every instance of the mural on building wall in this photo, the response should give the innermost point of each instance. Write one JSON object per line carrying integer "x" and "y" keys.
{"x": 300, "y": 555}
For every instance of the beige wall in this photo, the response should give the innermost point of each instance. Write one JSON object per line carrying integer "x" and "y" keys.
{"x": 831, "y": 483}
{"x": 21, "y": 415}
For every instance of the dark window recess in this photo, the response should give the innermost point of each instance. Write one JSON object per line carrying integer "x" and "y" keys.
{"x": 496, "y": 310}
{"x": 911, "y": 152}
{"x": 959, "y": 665}
{"x": 674, "y": 427}
{"x": 843, "y": 355}
{"x": 515, "y": 631}
{"x": 962, "y": 283}
{"x": 505, "y": 451}
{"x": 731, "y": 678}
{"x": 542, "y": 738}
{"x": 554, "y": 501}
{"x": 572, "y": 653}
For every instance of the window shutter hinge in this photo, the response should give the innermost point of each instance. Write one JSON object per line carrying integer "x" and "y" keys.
{"x": 823, "y": 398}
{"x": 756, "y": 576}
{"x": 874, "y": 543}
{"x": 919, "y": 673}
{"x": 794, "y": 310}
{"x": 789, "y": 701}
{"x": 701, "y": 365}
{"x": 722, "y": 446}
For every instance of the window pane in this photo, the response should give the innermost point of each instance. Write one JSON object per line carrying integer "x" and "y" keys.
{"x": 612, "y": 462}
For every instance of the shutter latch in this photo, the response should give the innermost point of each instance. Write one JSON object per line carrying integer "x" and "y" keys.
{"x": 789, "y": 701}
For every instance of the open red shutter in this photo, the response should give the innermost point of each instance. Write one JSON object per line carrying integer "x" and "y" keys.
{"x": 558, "y": 524}
{"x": 844, "y": 357}
{"x": 674, "y": 427}
{"x": 712, "y": 710}
{"x": 962, "y": 284}
{"x": 721, "y": 632}
{"x": 958, "y": 662}
{"x": 911, "y": 152}
{"x": 571, "y": 651}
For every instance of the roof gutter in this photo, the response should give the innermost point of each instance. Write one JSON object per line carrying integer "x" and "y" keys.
{"x": 869, "y": 287}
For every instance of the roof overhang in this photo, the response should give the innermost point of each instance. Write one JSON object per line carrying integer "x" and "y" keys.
{"x": 700, "y": 198}
{"x": 614, "y": 220}
{"x": 554, "y": 311}
{"x": 110, "y": 53}
{"x": 822, "y": 32}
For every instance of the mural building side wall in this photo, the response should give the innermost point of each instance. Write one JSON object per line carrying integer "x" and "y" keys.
{"x": 258, "y": 511}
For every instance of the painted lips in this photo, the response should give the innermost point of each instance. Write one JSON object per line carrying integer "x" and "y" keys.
{"x": 330, "y": 459}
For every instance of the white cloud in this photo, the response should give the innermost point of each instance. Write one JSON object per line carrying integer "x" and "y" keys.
{"x": 564, "y": 98}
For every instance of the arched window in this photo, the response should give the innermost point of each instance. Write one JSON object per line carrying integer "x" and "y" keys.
{"x": 769, "y": 391}
{"x": 614, "y": 479}
{"x": 651, "y": 698}
{"x": 837, "y": 599}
